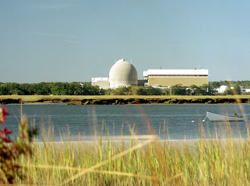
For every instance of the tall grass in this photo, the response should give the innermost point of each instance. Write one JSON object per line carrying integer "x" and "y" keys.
{"x": 142, "y": 160}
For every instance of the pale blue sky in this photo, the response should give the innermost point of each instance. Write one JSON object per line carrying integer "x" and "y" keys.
{"x": 62, "y": 40}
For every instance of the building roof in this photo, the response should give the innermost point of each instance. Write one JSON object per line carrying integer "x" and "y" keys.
{"x": 96, "y": 79}
{"x": 152, "y": 72}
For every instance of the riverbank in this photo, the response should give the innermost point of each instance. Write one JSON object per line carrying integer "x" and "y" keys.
{"x": 121, "y": 99}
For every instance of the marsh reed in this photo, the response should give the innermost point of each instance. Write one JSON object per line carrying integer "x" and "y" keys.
{"x": 139, "y": 160}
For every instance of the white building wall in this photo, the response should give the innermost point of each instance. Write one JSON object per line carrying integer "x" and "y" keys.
{"x": 102, "y": 82}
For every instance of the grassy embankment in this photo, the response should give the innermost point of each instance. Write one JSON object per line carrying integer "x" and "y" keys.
{"x": 139, "y": 162}
{"x": 120, "y": 99}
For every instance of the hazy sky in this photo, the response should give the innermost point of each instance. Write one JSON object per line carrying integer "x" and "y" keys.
{"x": 62, "y": 40}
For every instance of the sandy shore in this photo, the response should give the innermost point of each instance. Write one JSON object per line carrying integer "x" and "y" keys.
{"x": 152, "y": 139}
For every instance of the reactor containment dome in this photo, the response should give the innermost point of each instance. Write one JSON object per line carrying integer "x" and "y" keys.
{"x": 121, "y": 74}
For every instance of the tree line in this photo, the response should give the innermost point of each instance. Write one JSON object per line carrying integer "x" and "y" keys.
{"x": 85, "y": 88}
{"x": 52, "y": 88}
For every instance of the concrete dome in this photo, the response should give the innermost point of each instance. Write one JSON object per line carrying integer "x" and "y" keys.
{"x": 122, "y": 73}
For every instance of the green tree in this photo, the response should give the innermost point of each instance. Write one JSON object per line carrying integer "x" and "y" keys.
{"x": 141, "y": 90}
{"x": 153, "y": 91}
{"x": 237, "y": 90}
{"x": 178, "y": 90}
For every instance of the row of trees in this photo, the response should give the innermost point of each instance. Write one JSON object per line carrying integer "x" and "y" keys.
{"x": 85, "y": 88}
{"x": 56, "y": 88}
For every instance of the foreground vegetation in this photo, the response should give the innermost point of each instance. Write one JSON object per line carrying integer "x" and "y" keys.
{"x": 139, "y": 162}
{"x": 124, "y": 99}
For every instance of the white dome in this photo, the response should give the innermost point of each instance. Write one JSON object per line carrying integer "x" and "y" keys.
{"x": 122, "y": 73}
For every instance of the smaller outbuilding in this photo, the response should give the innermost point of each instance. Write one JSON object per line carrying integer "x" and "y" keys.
{"x": 222, "y": 89}
{"x": 102, "y": 82}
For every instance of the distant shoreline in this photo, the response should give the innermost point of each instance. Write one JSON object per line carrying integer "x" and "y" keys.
{"x": 122, "y": 100}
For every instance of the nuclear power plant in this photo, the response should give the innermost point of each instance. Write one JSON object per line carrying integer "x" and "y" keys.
{"x": 123, "y": 73}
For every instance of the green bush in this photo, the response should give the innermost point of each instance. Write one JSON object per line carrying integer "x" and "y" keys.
{"x": 12, "y": 150}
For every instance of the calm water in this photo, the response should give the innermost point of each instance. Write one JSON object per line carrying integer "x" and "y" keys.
{"x": 171, "y": 121}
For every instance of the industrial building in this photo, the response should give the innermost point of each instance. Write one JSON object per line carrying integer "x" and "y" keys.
{"x": 123, "y": 73}
{"x": 170, "y": 77}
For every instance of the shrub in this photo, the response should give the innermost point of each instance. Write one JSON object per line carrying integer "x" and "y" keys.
{"x": 12, "y": 150}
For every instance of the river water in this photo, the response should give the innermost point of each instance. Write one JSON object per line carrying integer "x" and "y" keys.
{"x": 167, "y": 121}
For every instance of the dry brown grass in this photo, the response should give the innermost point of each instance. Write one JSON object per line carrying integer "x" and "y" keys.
{"x": 45, "y": 97}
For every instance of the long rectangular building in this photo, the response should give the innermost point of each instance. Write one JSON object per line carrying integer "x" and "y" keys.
{"x": 170, "y": 77}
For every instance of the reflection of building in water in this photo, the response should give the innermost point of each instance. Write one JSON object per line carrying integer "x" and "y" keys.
{"x": 170, "y": 77}
{"x": 123, "y": 73}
